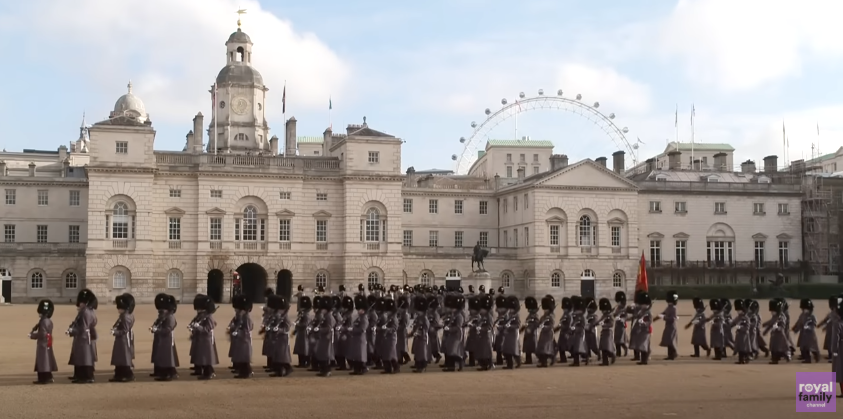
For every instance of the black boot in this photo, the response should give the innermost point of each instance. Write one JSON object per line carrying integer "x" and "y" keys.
{"x": 618, "y": 350}
{"x": 636, "y": 356}
{"x": 576, "y": 358}
{"x": 313, "y": 364}
{"x": 244, "y": 371}
{"x": 605, "y": 358}
{"x": 625, "y": 350}
{"x": 529, "y": 359}
{"x": 696, "y": 351}
{"x": 645, "y": 357}
{"x": 499, "y": 358}
{"x": 806, "y": 356}
{"x": 508, "y": 360}
{"x": 717, "y": 354}
{"x": 325, "y": 369}
{"x": 471, "y": 361}
{"x": 563, "y": 356}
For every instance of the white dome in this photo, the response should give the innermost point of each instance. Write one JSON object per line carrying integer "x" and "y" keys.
{"x": 130, "y": 105}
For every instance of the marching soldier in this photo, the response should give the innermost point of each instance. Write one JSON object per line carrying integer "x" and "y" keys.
{"x": 341, "y": 344}
{"x": 576, "y": 340}
{"x": 717, "y": 331}
{"x": 356, "y": 347}
{"x": 336, "y": 305}
{"x": 743, "y": 345}
{"x": 510, "y": 342}
{"x": 837, "y": 345}
{"x": 199, "y": 307}
{"x": 123, "y": 351}
{"x": 323, "y": 337}
{"x": 278, "y": 331}
{"x": 402, "y": 348}
{"x": 387, "y": 336}
{"x": 266, "y": 313}
{"x": 203, "y": 343}
{"x": 42, "y": 334}
{"x": 500, "y": 324}
{"x": 670, "y": 335}
{"x": 698, "y": 337}
{"x": 607, "y": 332}
{"x": 302, "y": 344}
{"x": 564, "y": 328}
{"x": 371, "y": 334}
{"x": 435, "y": 324}
{"x": 83, "y": 352}
{"x": 473, "y": 318}
{"x": 530, "y": 328}
{"x": 779, "y": 344}
{"x": 453, "y": 346}
{"x": 241, "y": 337}
{"x": 420, "y": 328}
{"x": 806, "y": 327}
{"x": 545, "y": 345}
{"x": 591, "y": 320}
{"x": 642, "y": 327}
{"x": 484, "y": 348}
{"x": 829, "y": 324}
{"x": 164, "y": 359}
{"x": 621, "y": 338}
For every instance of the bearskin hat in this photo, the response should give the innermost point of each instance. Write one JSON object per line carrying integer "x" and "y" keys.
{"x": 371, "y": 300}
{"x": 305, "y": 303}
{"x": 46, "y": 308}
{"x": 672, "y": 297}
{"x": 716, "y": 304}
{"x": 317, "y": 302}
{"x": 567, "y": 303}
{"x": 199, "y": 302}
{"x": 360, "y": 302}
{"x": 548, "y": 303}
{"x": 806, "y": 304}
{"x": 173, "y": 304}
{"x": 336, "y": 302}
{"x": 531, "y": 303}
{"x": 273, "y": 301}
{"x": 432, "y": 302}
{"x": 360, "y": 287}
{"x": 620, "y": 297}
{"x": 441, "y": 289}
{"x": 342, "y": 288}
{"x": 84, "y": 296}
{"x": 590, "y": 304}
{"x": 324, "y": 303}
{"x": 389, "y": 305}
{"x": 459, "y": 302}
{"x": 93, "y": 303}
{"x": 300, "y": 288}
{"x": 500, "y": 290}
{"x": 832, "y": 302}
{"x": 161, "y": 301}
{"x": 481, "y": 289}
{"x": 474, "y": 303}
{"x": 347, "y": 303}
{"x": 727, "y": 305}
{"x": 380, "y": 304}
{"x": 486, "y": 302}
{"x": 247, "y": 303}
{"x": 449, "y": 301}
{"x": 643, "y": 299}
{"x": 776, "y": 305}
{"x": 753, "y": 306}
{"x": 122, "y": 302}
{"x": 739, "y": 305}
{"x": 210, "y": 305}
{"x": 236, "y": 302}
{"x": 471, "y": 289}
{"x": 130, "y": 302}
{"x": 577, "y": 303}
{"x": 500, "y": 301}
{"x": 420, "y": 304}
{"x": 267, "y": 292}
{"x": 698, "y": 303}
{"x": 605, "y": 305}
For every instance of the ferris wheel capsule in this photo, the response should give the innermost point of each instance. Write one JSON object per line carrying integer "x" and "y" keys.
{"x": 462, "y": 140}
{"x": 521, "y": 95}
{"x": 579, "y": 96}
{"x": 625, "y": 130}
{"x": 611, "y": 116}
{"x": 596, "y": 105}
{"x": 487, "y": 111}
{"x": 503, "y": 101}
{"x": 559, "y": 92}
{"x": 454, "y": 157}
{"x": 473, "y": 124}
{"x": 541, "y": 92}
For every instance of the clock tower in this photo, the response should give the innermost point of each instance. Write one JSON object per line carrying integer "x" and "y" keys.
{"x": 238, "y": 124}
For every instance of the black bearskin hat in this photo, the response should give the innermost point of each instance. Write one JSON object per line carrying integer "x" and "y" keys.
{"x": 605, "y": 305}
{"x": 84, "y": 296}
{"x": 482, "y": 289}
{"x": 643, "y": 299}
{"x": 274, "y": 301}
{"x": 567, "y": 303}
{"x": 323, "y": 303}
{"x": 753, "y": 306}
{"x": 172, "y": 303}
{"x": 360, "y": 287}
{"x": 471, "y": 289}
{"x": 577, "y": 303}
{"x": 210, "y": 305}
{"x": 305, "y": 303}
{"x": 548, "y": 303}
{"x": 360, "y": 302}
{"x": 246, "y": 303}
{"x": 389, "y": 305}
{"x": 432, "y": 302}
{"x": 317, "y": 302}
{"x": 130, "y": 302}
{"x": 122, "y": 302}
{"x": 161, "y": 301}
{"x": 698, "y": 303}
{"x": 590, "y": 304}
{"x": 716, "y": 304}
{"x": 500, "y": 301}
{"x": 474, "y": 303}
{"x": 267, "y": 292}
{"x": 236, "y": 302}
{"x": 486, "y": 302}
{"x": 336, "y": 301}
{"x": 93, "y": 303}
{"x": 776, "y": 305}
{"x": 403, "y": 302}
{"x": 371, "y": 300}
{"x": 806, "y": 304}
{"x": 739, "y": 305}
{"x": 832, "y": 302}
{"x": 199, "y": 302}
{"x": 531, "y": 303}
{"x": 449, "y": 301}
{"x": 727, "y": 305}
{"x": 672, "y": 297}
{"x": 46, "y": 308}
{"x": 746, "y": 303}
{"x": 342, "y": 288}
{"x": 500, "y": 290}
{"x": 420, "y": 303}
{"x": 620, "y": 297}
{"x": 459, "y": 302}
{"x": 300, "y": 288}
{"x": 320, "y": 289}
{"x": 347, "y": 303}
{"x": 380, "y": 304}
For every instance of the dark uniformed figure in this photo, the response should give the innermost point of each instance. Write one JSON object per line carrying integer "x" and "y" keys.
{"x": 591, "y": 320}
{"x": 606, "y": 326}
{"x": 777, "y": 328}
{"x": 123, "y": 351}
{"x": 356, "y": 347}
{"x": 199, "y": 307}
{"x": 619, "y": 313}
{"x": 483, "y": 350}
{"x": 202, "y": 340}
{"x": 510, "y": 344}
{"x": 642, "y": 327}
{"x": 755, "y": 338}
{"x": 670, "y": 335}
{"x": 164, "y": 359}
{"x": 403, "y": 314}
{"x": 420, "y": 328}
{"x": 322, "y": 335}
{"x": 453, "y": 343}
{"x": 698, "y": 322}
{"x": 806, "y": 326}
{"x": 372, "y": 359}
{"x": 241, "y": 337}
{"x": 435, "y": 324}
{"x": 387, "y": 336}
{"x": 577, "y": 344}
{"x": 267, "y": 343}
{"x": 717, "y": 332}
{"x": 727, "y": 324}
{"x": 530, "y": 327}
{"x": 278, "y": 334}
{"x": 545, "y": 344}
{"x": 82, "y": 330}
{"x": 336, "y": 312}
{"x": 743, "y": 344}
{"x": 42, "y": 334}
{"x": 500, "y": 324}
{"x": 303, "y": 319}
{"x": 342, "y": 342}
{"x": 829, "y": 326}
{"x": 471, "y": 327}
{"x": 563, "y": 344}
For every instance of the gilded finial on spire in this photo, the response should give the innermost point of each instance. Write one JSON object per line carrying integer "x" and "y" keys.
{"x": 130, "y": 86}
{"x": 240, "y": 13}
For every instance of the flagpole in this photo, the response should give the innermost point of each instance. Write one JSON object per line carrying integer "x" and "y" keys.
{"x": 330, "y": 110}
{"x": 517, "y": 109}
{"x": 818, "y": 140}
{"x": 214, "y": 110}
{"x": 229, "y": 119}
{"x": 693, "y": 113}
{"x": 784, "y": 144}
{"x": 676, "y": 125}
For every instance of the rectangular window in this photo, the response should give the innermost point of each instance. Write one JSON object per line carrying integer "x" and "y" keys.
{"x": 43, "y": 198}
{"x": 216, "y": 193}
{"x": 321, "y": 231}
{"x": 535, "y": 158}
{"x": 681, "y": 253}
{"x": 174, "y": 229}
{"x": 215, "y": 233}
{"x": 655, "y": 206}
{"x": 121, "y": 147}
{"x": 505, "y": 238}
{"x": 655, "y": 253}
{"x": 526, "y": 201}
{"x": 433, "y": 239}
{"x": 554, "y": 235}
{"x": 758, "y": 208}
{"x": 321, "y": 196}
{"x": 759, "y": 254}
{"x": 535, "y": 170}
{"x": 523, "y": 158}
{"x": 408, "y": 238}
{"x": 75, "y": 198}
{"x": 374, "y": 157}
{"x": 616, "y": 236}
{"x": 505, "y": 205}
{"x": 784, "y": 259}
{"x": 408, "y": 206}
{"x": 484, "y": 207}
{"x": 11, "y": 196}
{"x": 73, "y": 234}
{"x": 509, "y": 158}
{"x": 515, "y": 237}
{"x": 515, "y": 203}
{"x": 433, "y": 206}
{"x": 509, "y": 171}
{"x": 680, "y": 207}
{"x": 284, "y": 230}
{"x": 458, "y": 238}
{"x": 9, "y": 233}
{"x": 484, "y": 239}
{"x": 458, "y": 206}
{"x": 783, "y": 209}
{"x": 41, "y": 234}
{"x": 719, "y": 253}
{"x": 175, "y": 193}
{"x": 526, "y": 236}
{"x": 719, "y": 207}
{"x": 284, "y": 196}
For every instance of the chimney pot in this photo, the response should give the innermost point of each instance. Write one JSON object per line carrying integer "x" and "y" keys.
{"x": 618, "y": 161}
{"x": 674, "y": 160}
{"x": 601, "y": 161}
{"x": 198, "y": 138}
{"x": 31, "y": 168}
{"x": 720, "y": 162}
{"x": 273, "y": 145}
{"x": 748, "y": 167}
{"x": 771, "y": 164}
{"x": 651, "y": 164}
{"x": 558, "y": 161}
{"x": 290, "y": 144}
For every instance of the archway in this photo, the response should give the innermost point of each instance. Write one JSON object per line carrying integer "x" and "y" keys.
{"x": 284, "y": 284}
{"x": 253, "y": 281}
{"x": 215, "y": 285}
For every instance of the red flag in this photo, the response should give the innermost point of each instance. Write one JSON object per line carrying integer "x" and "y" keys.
{"x": 641, "y": 283}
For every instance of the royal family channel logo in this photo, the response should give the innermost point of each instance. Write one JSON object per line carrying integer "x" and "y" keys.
{"x": 816, "y": 392}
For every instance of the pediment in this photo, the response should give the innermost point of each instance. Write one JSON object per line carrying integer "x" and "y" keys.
{"x": 616, "y": 220}
{"x": 555, "y": 219}
{"x": 285, "y": 213}
{"x": 784, "y": 236}
{"x": 215, "y": 211}
{"x": 321, "y": 214}
{"x": 656, "y": 235}
{"x": 587, "y": 174}
{"x": 368, "y": 132}
{"x": 681, "y": 236}
{"x": 174, "y": 211}
{"x": 759, "y": 236}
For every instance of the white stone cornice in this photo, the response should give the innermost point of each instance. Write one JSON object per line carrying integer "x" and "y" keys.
{"x": 174, "y": 211}
{"x": 321, "y": 214}
{"x": 215, "y": 211}
{"x": 285, "y": 213}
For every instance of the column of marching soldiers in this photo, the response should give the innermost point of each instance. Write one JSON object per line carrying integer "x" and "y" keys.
{"x": 371, "y": 330}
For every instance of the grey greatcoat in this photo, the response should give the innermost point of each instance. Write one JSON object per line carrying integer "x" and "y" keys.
{"x": 564, "y": 342}
{"x": 266, "y": 348}
{"x": 83, "y": 351}
{"x": 123, "y": 350}
{"x": 203, "y": 341}
{"x": 718, "y": 330}
{"x": 241, "y": 338}
{"x": 576, "y": 340}
{"x": 421, "y": 348}
{"x": 164, "y": 346}
{"x": 754, "y": 331}
{"x": 45, "y": 359}
{"x": 698, "y": 337}
{"x": 530, "y": 332}
{"x": 831, "y": 331}
{"x": 401, "y": 346}
{"x": 728, "y": 335}
{"x": 485, "y": 336}
{"x": 452, "y": 336}
{"x": 670, "y": 336}
{"x": 511, "y": 331}
{"x": 806, "y": 325}
{"x": 433, "y": 332}
{"x": 590, "y": 332}
{"x": 500, "y": 326}
{"x": 607, "y": 332}
{"x": 338, "y": 345}
{"x": 544, "y": 343}
{"x": 356, "y": 345}
{"x": 342, "y": 340}
{"x": 323, "y": 333}
{"x": 302, "y": 344}
{"x": 619, "y": 314}
{"x": 279, "y": 349}
{"x": 777, "y": 327}
{"x": 387, "y": 339}
{"x": 743, "y": 344}
{"x": 641, "y": 329}
{"x": 837, "y": 362}
{"x": 372, "y": 333}
{"x": 471, "y": 334}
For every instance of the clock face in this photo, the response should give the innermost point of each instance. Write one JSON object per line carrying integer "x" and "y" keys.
{"x": 239, "y": 105}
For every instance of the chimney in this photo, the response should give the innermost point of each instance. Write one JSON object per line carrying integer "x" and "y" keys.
{"x": 195, "y": 146}
{"x": 290, "y": 144}
{"x": 601, "y": 161}
{"x": 617, "y": 161}
{"x": 273, "y": 145}
{"x": 64, "y": 166}
{"x": 674, "y": 160}
{"x": 697, "y": 165}
{"x": 327, "y": 141}
{"x": 771, "y": 164}
{"x": 521, "y": 171}
{"x": 31, "y": 169}
{"x": 189, "y": 141}
{"x": 2, "y": 168}
{"x": 748, "y": 167}
{"x": 62, "y": 153}
{"x": 720, "y": 163}
{"x": 651, "y": 164}
{"x": 497, "y": 181}
{"x": 558, "y": 161}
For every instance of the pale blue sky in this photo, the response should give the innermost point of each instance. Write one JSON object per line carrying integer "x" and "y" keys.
{"x": 424, "y": 70}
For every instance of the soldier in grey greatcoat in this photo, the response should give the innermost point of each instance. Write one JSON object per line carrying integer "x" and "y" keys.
{"x": 607, "y": 332}
{"x": 453, "y": 346}
{"x": 165, "y": 359}
{"x": 42, "y": 334}
{"x": 577, "y": 344}
{"x": 336, "y": 306}
{"x": 806, "y": 326}
{"x": 278, "y": 332}
{"x": 123, "y": 351}
{"x": 698, "y": 336}
{"x": 203, "y": 343}
{"x": 545, "y": 344}
{"x": 727, "y": 325}
{"x": 241, "y": 337}
{"x": 619, "y": 314}
{"x": 828, "y": 325}
{"x": 83, "y": 351}
{"x": 388, "y": 336}
{"x": 435, "y": 322}
{"x": 743, "y": 344}
{"x": 322, "y": 336}
{"x": 356, "y": 347}
{"x": 419, "y": 329}
{"x": 500, "y": 323}
{"x": 755, "y": 338}
{"x": 786, "y": 312}
{"x": 372, "y": 359}
{"x": 341, "y": 337}
{"x": 199, "y": 307}
{"x": 717, "y": 332}
{"x": 485, "y": 327}
{"x": 401, "y": 347}
{"x": 303, "y": 319}
{"x": 563, "y": 344}
{"x": 591, "y": 320}
{"x": 471, "y": 329}
{"x": 642, "y": 327}
{"x": 670, "y": 335}
{"x": 510, "y": 344}
{"x": 266, "y": 313}
{"x": 531, "y": 325}
{"x": 777, "y": 328}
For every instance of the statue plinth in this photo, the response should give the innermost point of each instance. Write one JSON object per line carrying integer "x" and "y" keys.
{"x": 477, "y": 279}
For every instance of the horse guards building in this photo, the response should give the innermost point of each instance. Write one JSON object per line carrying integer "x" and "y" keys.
{"x": 112, "y": 214}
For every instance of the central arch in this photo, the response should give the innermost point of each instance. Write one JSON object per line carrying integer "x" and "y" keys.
{"x": 284, "y": 284}
{"x": 215, "y": 285}
{"x": 253, "y": 281}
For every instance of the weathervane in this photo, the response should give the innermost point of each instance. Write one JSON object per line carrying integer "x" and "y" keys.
{"x": 240, "y": 13}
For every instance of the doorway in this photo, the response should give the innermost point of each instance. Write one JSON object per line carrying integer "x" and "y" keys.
{"x": 587, "y": 284}
{"x": 284, "y": 284}
{"x": 253, "y": 281}
{"x": 215, "y": 285}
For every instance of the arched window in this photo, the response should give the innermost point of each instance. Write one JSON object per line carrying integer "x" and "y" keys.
{"x": 36, "y": 281}
{"x": 373, "y": 225}
{"x": 586, "y": 231}
{"x": 119, "y": 280}
{"x": 240, "y": 56}
{"x": 241, "y": 137}
{"x": 174, "y": 280}
{"x": 120, "y": 228}
{"x": 588, "y": 273}
{"x": 374, "y": 279}
{"x": 453, "y": 273}
{"x": 71, "y": 281}
{"x": 425, "y": 279}
{"x": 321, "y": 279}
{"x": 250, "y": 224}
{"x": 506, "y": 280}
{"x": 555, "y": 280}
{"x": 617, "y": 280}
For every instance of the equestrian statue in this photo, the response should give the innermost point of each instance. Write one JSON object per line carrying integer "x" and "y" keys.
{"x": 477, "y": 256}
